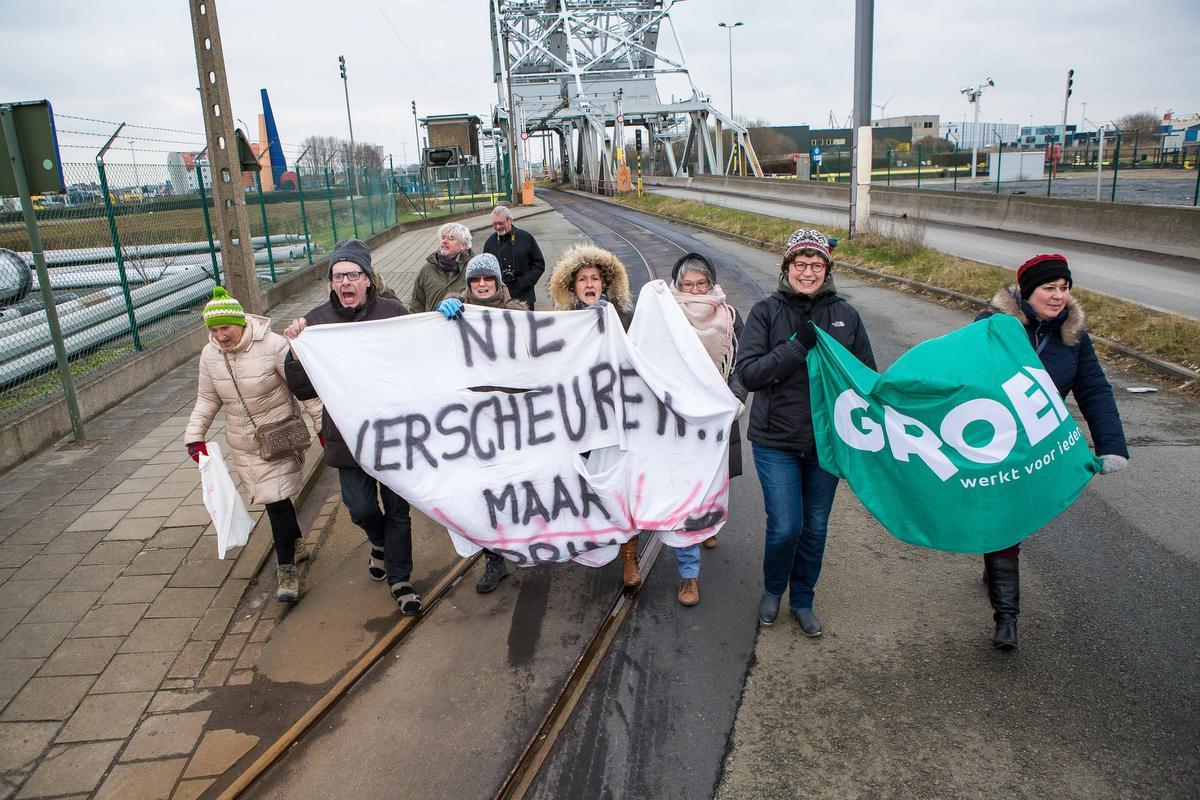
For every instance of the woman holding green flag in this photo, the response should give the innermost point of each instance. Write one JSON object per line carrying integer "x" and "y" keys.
{"x": 1057, "y": 327}
{"x": 772, "y": 363}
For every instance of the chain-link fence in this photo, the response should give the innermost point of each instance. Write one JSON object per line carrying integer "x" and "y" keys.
{"x": 132, "y": 257}
{"x": 1128, "y": 168}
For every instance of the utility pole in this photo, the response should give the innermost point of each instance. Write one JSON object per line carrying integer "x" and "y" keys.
{"x": 349, "y": 121}
{"x": 420, "y": 154}
{"x": 736, "y": 153}
{"x": 514, "y": 172}
{"x": 860, "y": 163}
{"x": 229, "y": 200}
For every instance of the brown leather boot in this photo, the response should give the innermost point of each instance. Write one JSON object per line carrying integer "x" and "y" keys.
{"x": 629, "y": 563}
{"x": 689, "y": 591}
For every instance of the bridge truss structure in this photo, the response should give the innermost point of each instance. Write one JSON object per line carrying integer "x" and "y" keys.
{"x": 587, "y": 70}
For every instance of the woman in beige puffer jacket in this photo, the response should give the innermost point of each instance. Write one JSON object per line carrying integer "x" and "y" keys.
{"x": 254, "y": 354}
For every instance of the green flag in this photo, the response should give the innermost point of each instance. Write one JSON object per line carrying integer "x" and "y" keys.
{"x": 964, "y": 444}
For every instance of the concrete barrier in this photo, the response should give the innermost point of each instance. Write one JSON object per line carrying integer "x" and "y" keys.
{"x": 1166, "y": 230}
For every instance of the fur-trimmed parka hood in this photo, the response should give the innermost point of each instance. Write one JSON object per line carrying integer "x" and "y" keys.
{"x": 1008, "y": 301}
{"x": 612, "y": 272}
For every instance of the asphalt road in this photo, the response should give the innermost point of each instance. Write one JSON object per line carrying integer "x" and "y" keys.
{"x": 1167, "y": 283}
{"x": 904, "y": 696}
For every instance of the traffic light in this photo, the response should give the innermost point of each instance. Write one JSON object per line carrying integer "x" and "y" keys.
{"x": 342, "y": 66}
{"x": 1070, "y": 80}
{"x": 414, "y": 105}
{"x": 637, "y": 138}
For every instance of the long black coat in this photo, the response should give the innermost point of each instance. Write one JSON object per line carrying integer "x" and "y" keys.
{"x": 1067, "y": 353}
{"x": 337, "y": 453}
{"x": 774, "y": 366}
{"x": 521, "y": 262}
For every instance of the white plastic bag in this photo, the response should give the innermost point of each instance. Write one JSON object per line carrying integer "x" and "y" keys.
{"x": 224, "y": 504}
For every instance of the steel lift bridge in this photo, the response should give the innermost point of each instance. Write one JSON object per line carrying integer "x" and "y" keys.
{"x": 587, "y": 70}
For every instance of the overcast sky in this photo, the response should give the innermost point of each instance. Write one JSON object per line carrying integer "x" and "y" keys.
{"x": 132, "y": 60}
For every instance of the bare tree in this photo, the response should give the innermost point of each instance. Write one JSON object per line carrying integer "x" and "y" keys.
{"x": 1145, "y": 124}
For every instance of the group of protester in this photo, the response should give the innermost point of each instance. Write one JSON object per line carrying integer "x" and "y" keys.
{"x": 252, "y": 373}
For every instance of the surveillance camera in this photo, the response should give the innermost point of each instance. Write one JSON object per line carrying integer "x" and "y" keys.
{"x": 991, "y": 82}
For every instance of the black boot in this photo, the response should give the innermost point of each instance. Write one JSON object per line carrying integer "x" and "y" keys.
{"x": 494, "y": 571}
{"x": 1004, "y": 590}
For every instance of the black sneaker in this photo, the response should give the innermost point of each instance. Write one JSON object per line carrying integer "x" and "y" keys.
{"x": 494, "y": 571}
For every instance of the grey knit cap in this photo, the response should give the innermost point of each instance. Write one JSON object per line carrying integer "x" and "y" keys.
{"x": 484, "y": 265}
{"x": 353, "y": 250}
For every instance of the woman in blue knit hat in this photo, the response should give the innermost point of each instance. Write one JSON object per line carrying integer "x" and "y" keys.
{"x": 241, "y": 370}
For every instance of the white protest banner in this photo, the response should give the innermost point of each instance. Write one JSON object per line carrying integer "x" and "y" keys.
{"x": 483, "y": 424}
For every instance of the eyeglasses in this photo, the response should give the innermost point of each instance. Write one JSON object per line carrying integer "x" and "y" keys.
{"x": 687, "y": 286}
{"x": 341, "y": 277}
{"x": 815, "y": 269}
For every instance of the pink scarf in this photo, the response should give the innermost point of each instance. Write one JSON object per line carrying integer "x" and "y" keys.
{"x": 712, "y": 319}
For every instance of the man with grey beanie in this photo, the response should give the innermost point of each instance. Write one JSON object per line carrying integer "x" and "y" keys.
{"x": 356, "y": 294}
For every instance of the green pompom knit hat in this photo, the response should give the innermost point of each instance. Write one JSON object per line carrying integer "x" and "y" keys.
{"x": 223, "y": 310}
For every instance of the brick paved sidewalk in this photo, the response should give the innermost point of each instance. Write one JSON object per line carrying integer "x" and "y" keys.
{"x": 115, "y": 613}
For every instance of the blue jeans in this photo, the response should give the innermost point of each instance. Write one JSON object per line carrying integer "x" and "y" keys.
{"x": 797, "y": 494}
{"x": 687, "y": 560}
{"x": 389, "y": 530}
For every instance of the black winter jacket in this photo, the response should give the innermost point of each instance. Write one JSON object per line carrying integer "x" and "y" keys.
{"x": 521, "y": 262}
{"x": 1067, "y": 353}
{"x": 337, "y": 453}
{"x": 774, "y": 366}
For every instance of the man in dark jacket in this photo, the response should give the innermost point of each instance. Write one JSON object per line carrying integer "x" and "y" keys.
{"x": 356, "y": 294}
{"x": 521, "y": 261}
{"x": 772, "y": 363}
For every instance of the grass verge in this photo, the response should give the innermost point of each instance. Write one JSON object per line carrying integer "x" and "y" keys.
{"x": 899, "y": 252}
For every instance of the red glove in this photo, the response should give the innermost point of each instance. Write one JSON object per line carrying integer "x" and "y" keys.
{"x": 321, "y": 439}
{"x": 195, "y": 449}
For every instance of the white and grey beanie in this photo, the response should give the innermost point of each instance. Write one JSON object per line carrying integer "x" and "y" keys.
{"x": 808, "y": 239}
{"x": 482, "y": 266}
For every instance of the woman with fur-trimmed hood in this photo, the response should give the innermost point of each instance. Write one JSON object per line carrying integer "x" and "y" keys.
{"x": 587, "y": 275}
{"x": 590, "y": 277}
{"x": 1057, "y": 328}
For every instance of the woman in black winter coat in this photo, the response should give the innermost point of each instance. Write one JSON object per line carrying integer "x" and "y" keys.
{"x": 772, "y": 363}
{"x": 1057, "y": 327}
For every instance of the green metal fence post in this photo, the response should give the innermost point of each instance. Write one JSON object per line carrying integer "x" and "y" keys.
{"x": 1116, "y": 167}
{"x": 350, "y": 194}
{"x": 889, "y": 174}
{"x": 1196, "y": 164}
{"x": 392, "y": 187}
{"x": 918, "y": 166}
{"x": 262, "y": 206}
{"x": 116, "y": 243}
{"x": 955, "y": 166}
{"x": 303, "y": 215}
{"x": 999, "y": 159}
{"x": 329, "y": 196}
{"x": 450, "y": 193}
{"x": 212, "y": 246}
{"x": 371, "y": 204}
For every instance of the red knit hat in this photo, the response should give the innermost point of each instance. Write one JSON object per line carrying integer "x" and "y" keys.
{"x": 1042, "y": 269}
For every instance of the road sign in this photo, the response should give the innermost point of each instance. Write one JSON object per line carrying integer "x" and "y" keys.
{"x": 524, "y": 135}
{"x": 621, "y": 118}
{"x": 39, "y": 147}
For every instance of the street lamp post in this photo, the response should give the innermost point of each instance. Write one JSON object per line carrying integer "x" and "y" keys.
{"x": 973, "y": 94}
{"x": 349, "y": 119}
{"x": 729, "y": 29}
